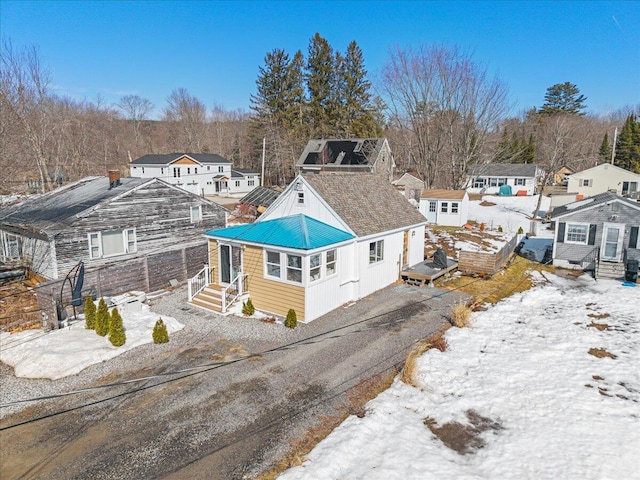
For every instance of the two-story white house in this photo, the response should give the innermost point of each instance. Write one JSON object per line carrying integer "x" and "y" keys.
{"x": 605, "y": 178}
{"x": 199, "y": 173}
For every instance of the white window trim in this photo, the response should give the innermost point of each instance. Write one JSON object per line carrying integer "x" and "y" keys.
{"x": 379, "y": 252}
{"x": 199, "y": 219}
{"x": 319, "y": 267}
{"x": 444, "y": 207}
{"x": 455, "y": 207}
{"x": 326, "y": 262}
{"x": 127, "y": 234}
{"x": 578, "y": 224}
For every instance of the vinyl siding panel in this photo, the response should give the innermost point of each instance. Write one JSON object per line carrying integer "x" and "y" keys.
{"x": 270, "y": 295}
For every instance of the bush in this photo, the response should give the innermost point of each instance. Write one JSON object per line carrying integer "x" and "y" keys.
{"x": 117, "y": 336}
{"x": 460, "y": 314}
{"x": 520, "y": 231}
{"x": 89, "y": 313}
{"x": 102, "y": 318}
{"x": 500, "y": 228}
{"x": 160, "y": 333}
{"x": 292, "y": 320}
{"x": 247, "y": 308}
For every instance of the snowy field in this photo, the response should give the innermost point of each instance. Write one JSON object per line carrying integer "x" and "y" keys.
{"x": 546, "y": 384}
{"x": 64, "y": 352}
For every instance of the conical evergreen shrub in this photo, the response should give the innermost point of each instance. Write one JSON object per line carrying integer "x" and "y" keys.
{"x": 160, "y": 333}
{"x": 102, "y": 318}
{"x": 292, "y": 319}
{"x": 89, "y": 313}
{"x": 117, "y": 336}
{"x": 247, "y": 308}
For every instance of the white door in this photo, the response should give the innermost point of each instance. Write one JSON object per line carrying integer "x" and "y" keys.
{"x": 612, "y": 236}
{"x": 432, "y": 215}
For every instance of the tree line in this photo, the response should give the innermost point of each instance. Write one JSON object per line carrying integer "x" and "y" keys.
{"x": 440, "y": 109}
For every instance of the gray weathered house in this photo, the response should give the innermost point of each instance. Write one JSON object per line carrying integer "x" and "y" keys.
{"x": 130, "y": 233}
{"x": 599, "y": 234}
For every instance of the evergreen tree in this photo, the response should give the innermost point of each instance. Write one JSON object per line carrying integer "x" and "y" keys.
{"x": 292, "y": 319}
{"x": 160, "y": 333}
{"x": 503, "y": 149}
{"x": 321, "y": 86}
{"x": 102, "y": 318}
{"x": 605, "y": 149}
{"x": 627, "y": 154}
{"x": 563, "y": 98}
{"x": 89, "y": 313}
{"x": 117, "y": 337}
{"x": 529, "y": 150}
{"x": 247, "y": 308}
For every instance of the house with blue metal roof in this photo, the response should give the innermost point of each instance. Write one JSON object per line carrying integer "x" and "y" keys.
{"x": 327, "y": 240}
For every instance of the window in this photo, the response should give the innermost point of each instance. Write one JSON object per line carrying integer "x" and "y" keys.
{"x": 220, "y": 169}
{"x": 294, "y": 268}
{"x": 376, "y": 251}
{"x": 176, "y": 172}
{"x": 432, "y": 206}
{"x": 195, "y": 170}
{"x": 142, "y": 169}
{"x": 300, "y": 198}
{"x": 188, "y": 170}
{"x": 273, "y": 264}
{"x": 10, "y": 245}
{"x": 237, "y": 183}
{"x": 454, "y": 207}
{"x": 585, "y": 182}
{"x": 314, "y": 267}
{"x": 196, "y": 213}
{"x": 114, "y": 242}
{"x": 493, "y": 182}
{"x": 478, "y": 183}
{"x": 251, "y": 183}
{"x": 577, "y": 233}
{"x": 161, "y": 170}
{"x": 520, "y": 181}
{"x": 444, "y": 207}
{"x": 331, "y": 262}
{"x": 502, "y": 181}
{"x": 208, "y": 167}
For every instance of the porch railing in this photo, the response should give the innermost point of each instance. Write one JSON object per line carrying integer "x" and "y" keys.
{"x": 232, "y": 291}
{"x": 201, "y": 279}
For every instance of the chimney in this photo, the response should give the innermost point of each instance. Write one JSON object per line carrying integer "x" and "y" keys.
{"x": 114, "y": 178}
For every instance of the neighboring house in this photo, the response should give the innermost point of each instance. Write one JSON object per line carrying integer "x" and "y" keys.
{"x": 488, "y": 178}
{"x": 369, "y": 155}
{"x": 604, "y": 178}
{"x": 327, "y": 240}
{"x": 134, "y": 233}
{"x": 410, "y": 186}
{"x": 560, "y": 177}
{"x": 255, "y": 203}
{"x": 445, "y": 207}
{"x": 599, "y": 233}
{"x": 199, "y": 173}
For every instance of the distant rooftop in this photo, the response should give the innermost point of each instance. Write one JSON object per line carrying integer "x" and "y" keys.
{"x": 167, "y": 158}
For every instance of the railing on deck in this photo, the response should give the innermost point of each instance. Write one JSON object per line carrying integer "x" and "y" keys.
{"x": 200, "y": 281}
{"x": 232, "y": 291}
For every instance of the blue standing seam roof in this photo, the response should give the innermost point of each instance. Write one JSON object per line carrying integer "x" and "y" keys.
{"x": 296, "y": 231}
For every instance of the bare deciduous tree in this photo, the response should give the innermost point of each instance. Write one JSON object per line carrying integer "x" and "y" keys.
{"x": 445, "y": 106}
{"x": 136, "y": 109}
{"x": 188, "y": 117}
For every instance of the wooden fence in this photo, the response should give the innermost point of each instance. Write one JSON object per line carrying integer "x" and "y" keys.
{"x": 484, "y": 263}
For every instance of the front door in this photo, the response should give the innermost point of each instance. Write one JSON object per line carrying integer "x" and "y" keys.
{"x": 230, "y": 263}
{"x": 612, "y": 236}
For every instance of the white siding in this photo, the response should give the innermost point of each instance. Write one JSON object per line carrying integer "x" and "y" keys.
{"x": 416, "y": 245}
{"x": 448, "y": 218}
{"x": 378, "y": 275}
{"x": 600, "y": 179}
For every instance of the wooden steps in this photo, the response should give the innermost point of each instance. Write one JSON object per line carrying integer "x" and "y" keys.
{"x": 609, "y": 269}
{"x": 210, "y": 298}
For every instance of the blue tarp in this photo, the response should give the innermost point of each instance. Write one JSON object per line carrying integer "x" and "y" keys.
{"x": 505, "y": 190}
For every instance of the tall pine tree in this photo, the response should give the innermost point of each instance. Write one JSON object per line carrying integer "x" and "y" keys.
{"x": 628, "y": 145}
{"x": 605, "y": 149}
{"x": 563, "y": 98}
{"x": 321, "y": 86}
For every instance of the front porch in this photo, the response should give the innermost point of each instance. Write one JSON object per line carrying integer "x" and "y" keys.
{"x": 205, "y": 293}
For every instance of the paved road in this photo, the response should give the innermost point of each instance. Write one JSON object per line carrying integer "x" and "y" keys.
{"x": 230, "y": 421}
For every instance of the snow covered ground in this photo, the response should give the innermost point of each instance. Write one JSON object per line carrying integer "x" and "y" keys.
{"x": 551, "y": 375}
{"x": 64, "y": 352}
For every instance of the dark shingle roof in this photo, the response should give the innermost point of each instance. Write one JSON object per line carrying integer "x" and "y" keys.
{"x": 260, "y": 196}
{"x": 167, "y": 158}
{"x": 52, "y": 211}
{"x": 368, "y": 203}
{"x": 589, "y": 202}
{"x": 504, "y": 170}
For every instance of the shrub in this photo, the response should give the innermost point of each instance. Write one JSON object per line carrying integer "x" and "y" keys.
{"x": 89, "y": 313}
{"x": 520, "y": 231}
{"x": 160, "y": 333}
{"x": 247, "y": 308}
{"x": 460, "y": 315}
{"x": 102, "y": 318}
{"x": 292, "y": 320}
{"x": 117, "y": 336}
{"x": 500, "y": 228}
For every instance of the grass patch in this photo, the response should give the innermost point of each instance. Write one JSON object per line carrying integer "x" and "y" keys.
{"x": 601, "y": 353}
{"x": 599, "y": 326}
{"x": 357, "y": 397}
{"x": 460, "y": 314}
{"x": 410, "y": 367}
{"x": 460, "y": 437}
{"x": 503, "y": 284}
{"x": 598, "y": 316}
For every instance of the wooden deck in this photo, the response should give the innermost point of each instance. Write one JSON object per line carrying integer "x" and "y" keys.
{"x": 425, "y": 273}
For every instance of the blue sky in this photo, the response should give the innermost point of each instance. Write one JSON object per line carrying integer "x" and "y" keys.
{"x": 214, "y": 48}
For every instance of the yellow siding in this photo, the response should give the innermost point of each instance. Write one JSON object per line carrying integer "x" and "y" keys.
{"x": 213, "y": 260}
{"x": 270, "y": 295}
{"x": 184, "y": 161}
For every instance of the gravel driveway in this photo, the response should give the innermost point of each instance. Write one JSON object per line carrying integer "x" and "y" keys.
{"x": 247, "y": 388}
